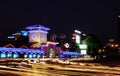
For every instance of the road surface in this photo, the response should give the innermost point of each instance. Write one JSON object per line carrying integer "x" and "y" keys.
{"x": 51, "y": 70}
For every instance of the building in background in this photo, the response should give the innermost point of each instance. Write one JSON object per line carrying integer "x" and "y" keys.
{"x": 58, "y": 46}
{"x": 53, "y": 38}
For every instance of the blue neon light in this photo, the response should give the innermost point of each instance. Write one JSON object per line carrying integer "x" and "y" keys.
{"x": 30, "y": 56}
{"x": 15, "y": 55}
{"x": 21, "y": 50}
{"x": 24, "y": 33}
{"x": 71, "y": 53}
{"x": 34, "y": 55}
{"x": 9, "y": 55}
{"x": 3, "y": 55}
{"x": 38, "y": 56}
{"x": 25, "y": 56}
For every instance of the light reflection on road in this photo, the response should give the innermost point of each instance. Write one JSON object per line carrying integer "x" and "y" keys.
{"x": 43, "y": 72}
{"x": 40, "y": 70}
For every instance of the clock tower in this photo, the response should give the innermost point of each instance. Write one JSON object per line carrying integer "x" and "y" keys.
{"x": 37, "y": 35}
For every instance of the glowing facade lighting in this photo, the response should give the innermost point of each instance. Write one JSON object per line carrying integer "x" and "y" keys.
{"x": 30, "y": 55}
{"x": 76, "y": 31}
{"x": 34, "y": 55}
{"x": 84, "y": 34}
{"x": 77, "y": 36}
{"x": 24, "y": 33}
{"x": 15, "y": 55}
{"x": 3, "y": 55}
{"x": 38, "y": 31}
{"x": 71, "y": 53}
{"x": 21, "y": 50}
{"x": 9, "y": 45}
{"x": 38, "y": 56}
{"x": 11, "y": 37}
{"x": 9, "y": 55}
{"x": 77, "y": 39}
{"x": 25, "y": 56}
{"x": 28, "y": 52}
{"x": 49, "y": 42}
{"x": 38, "y": 27}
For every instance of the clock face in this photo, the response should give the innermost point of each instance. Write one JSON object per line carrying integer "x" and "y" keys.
{"x": 34, "y": 36}
{"x": 43, "y": 38}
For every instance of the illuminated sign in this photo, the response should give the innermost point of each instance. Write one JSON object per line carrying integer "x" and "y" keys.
{"x": 77, "y": 39}
{"x": 83, "y": 46}
{"x": 83, "y": 51}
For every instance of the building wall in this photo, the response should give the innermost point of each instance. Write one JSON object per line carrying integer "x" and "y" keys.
{"x": 37, "y": 38}
{"x": 55, "y": 49}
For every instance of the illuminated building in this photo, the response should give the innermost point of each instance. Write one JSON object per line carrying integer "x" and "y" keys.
{"x": 9, "y": 51}
{"x": 37, "y": 35}
{"x": 51, "y": 50}
{"x": 39, "y": 45}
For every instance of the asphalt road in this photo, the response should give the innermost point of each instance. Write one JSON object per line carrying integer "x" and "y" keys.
{"x": 48, "y": 70}
{"x": 41, "y": 72}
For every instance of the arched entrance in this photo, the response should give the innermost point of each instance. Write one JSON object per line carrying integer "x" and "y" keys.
{"x": 51, "y": 53}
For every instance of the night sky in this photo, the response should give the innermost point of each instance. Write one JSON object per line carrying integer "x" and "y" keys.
{"x": 98, "y": 17}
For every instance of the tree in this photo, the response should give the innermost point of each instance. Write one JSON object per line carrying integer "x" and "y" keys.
{"x": 93, "y": 44}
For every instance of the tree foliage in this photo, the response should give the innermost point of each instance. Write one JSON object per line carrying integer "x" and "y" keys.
{"x": 93, "y": 44}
